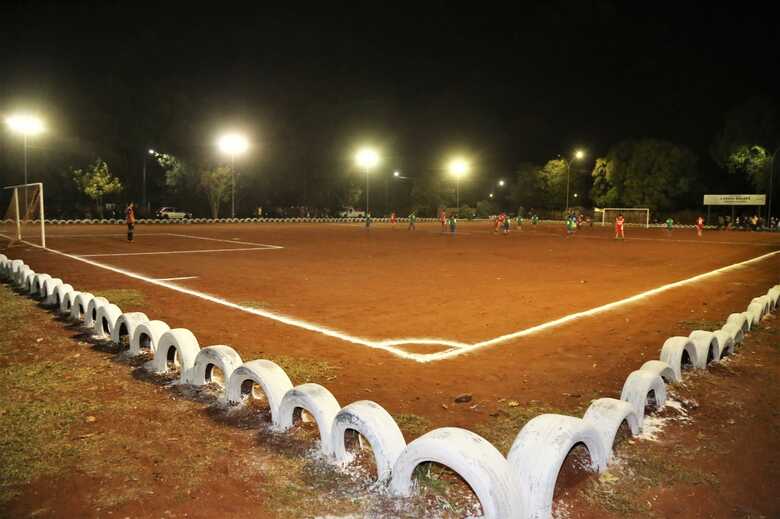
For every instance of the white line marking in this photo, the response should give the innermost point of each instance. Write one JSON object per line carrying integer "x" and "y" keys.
{"x": 177, "y": 279}
{"x": 171, "y": 252}
{"x": 226, "y": 241}
{"x": 390, "y": 345}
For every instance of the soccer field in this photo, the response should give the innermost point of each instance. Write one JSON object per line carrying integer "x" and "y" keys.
{"x": 421, "y": 296}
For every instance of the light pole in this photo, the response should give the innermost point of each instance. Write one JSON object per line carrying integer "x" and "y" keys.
{"x": 771, "y": 181}
{"x": 233, "y": 144}
{"x": 144, "y": 202}
{"x": 29, "y": 126}
{"x": 578, "y": 155}
{"x": 367, "y": 159}
{"x": 458, "y": 168}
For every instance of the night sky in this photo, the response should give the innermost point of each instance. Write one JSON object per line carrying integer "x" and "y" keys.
{"x": 420, "y": 80}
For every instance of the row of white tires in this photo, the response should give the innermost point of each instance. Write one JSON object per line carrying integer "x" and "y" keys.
{"x": 115, "y": 221}
{"x": 520, "y": 485}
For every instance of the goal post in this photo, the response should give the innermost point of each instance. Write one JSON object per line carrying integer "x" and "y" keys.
{"x": 631, "y": 215}
{"x": 24, "y": 217}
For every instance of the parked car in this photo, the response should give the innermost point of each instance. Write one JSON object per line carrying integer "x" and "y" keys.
{"x": 351, "y": 212}
{"x": 171, "y": 213}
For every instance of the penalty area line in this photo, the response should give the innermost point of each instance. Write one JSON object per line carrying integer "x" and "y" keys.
{"x": 391, "y": 345}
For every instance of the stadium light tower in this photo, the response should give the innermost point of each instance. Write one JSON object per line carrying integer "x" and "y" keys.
{"x": 578, "y": 155}
{"x": 367, "y": 159}
{"x": 233, "y": 144}
{"x": 28, "y": 126}
{"x": 458, "y": 168}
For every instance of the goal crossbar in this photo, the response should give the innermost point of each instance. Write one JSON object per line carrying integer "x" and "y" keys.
{"x": 644, "y": 213}
{"x": 18, "y": 216}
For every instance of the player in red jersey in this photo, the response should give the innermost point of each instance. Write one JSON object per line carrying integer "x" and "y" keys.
{"x": 443, "y": 220}
{"x": 130, "y": 214}
{"x": 699, "y": 226}
{"x": 393, "y": 219}
{"x": 619, "y": 221}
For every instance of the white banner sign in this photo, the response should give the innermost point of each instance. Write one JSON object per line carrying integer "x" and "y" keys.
{"x": 734, "y": 199}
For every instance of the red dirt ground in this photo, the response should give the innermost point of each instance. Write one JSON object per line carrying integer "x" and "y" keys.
{"x": 390, "y": 283}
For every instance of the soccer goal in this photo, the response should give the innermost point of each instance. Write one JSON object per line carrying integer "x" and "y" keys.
{"x": 24, "y": 214}
{"x": 631, "y": 215}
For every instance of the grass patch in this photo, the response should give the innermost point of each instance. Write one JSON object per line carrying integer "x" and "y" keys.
{"x": 37, "y": 407}
{"x": 642, "y": 468}
{"x": 699, "y": 324}
{"x": 412, "y": 425}
{"x": 302, "y": 371}
{"x": 123, "y": 297}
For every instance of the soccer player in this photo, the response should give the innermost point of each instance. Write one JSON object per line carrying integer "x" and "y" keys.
{"x": 368, "y": 221}
{"x": 519, "y": 222}
{"x": 393, "y": 219}
{"x": 130, "y": 215}
{"x": 669, "y": 223}
{"x": 412, "y": 221}
{"x": 499, "y": 222}
{"x": 453, "y": 222}
{"x": 505, "y": 224}
{"x": 619, "y": 221}
{"x": 443, "y": 220}
{"x": 699, "y": 226}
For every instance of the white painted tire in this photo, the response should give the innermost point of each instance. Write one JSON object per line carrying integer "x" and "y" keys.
{"x": 539, "y": 451}
{"x": 16, "y": 269}
{"x": 25, "y": 279}
{"x": 774, "y": 296}
{"x": 147, "y": 336}
{"x": 78, "y": 310}
{"x": 707, "y": 347}
{"x": 268, "y": 375}
{"x": 739, "y": 319}
{"x": 223, "y": 357}
{"x": 180, "y": 347}
{"x": 319, "y": 402}
{"x": 735, "y": 332}
{"x": 473, "y": 458}
{"x": 674, "y": 351}
{"x": 36, "y": 289}
{"x": 755, "y": 312}
{"x": 606, "y": 415}
{"x": 107, "y": 316}
{"x": 662, "y": 369}
{"x": 47, "y": 291}
{"x": 90, "y": 317}
{"x": 764, "y": 302}
{"x": 377, "y": 426}
{"x": 725, "y": 343}
{"x": 128, "y": 322}
{"x": 61, "y": 296}
{"x": 637, "y": 386}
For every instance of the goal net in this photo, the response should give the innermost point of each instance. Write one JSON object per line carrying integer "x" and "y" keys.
{"x": 631, "y": 215}
{"x": 23, "y": 218}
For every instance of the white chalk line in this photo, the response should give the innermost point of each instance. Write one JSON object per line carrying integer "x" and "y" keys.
{"x": 389, "y": 345}
{"x": 177, "y": 279}
{"x": 199, "y": 251}
{"x": 225, "y": 241}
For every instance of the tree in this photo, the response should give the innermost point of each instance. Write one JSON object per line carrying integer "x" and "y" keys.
{"x": 426, "y": 196}
{"x": 552, "y": 178}
{"x": 96, "y": 182}
{"x": 741, "y": 148}
{"x": 645, "y": 173}
{"x": 216, "y": 183}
